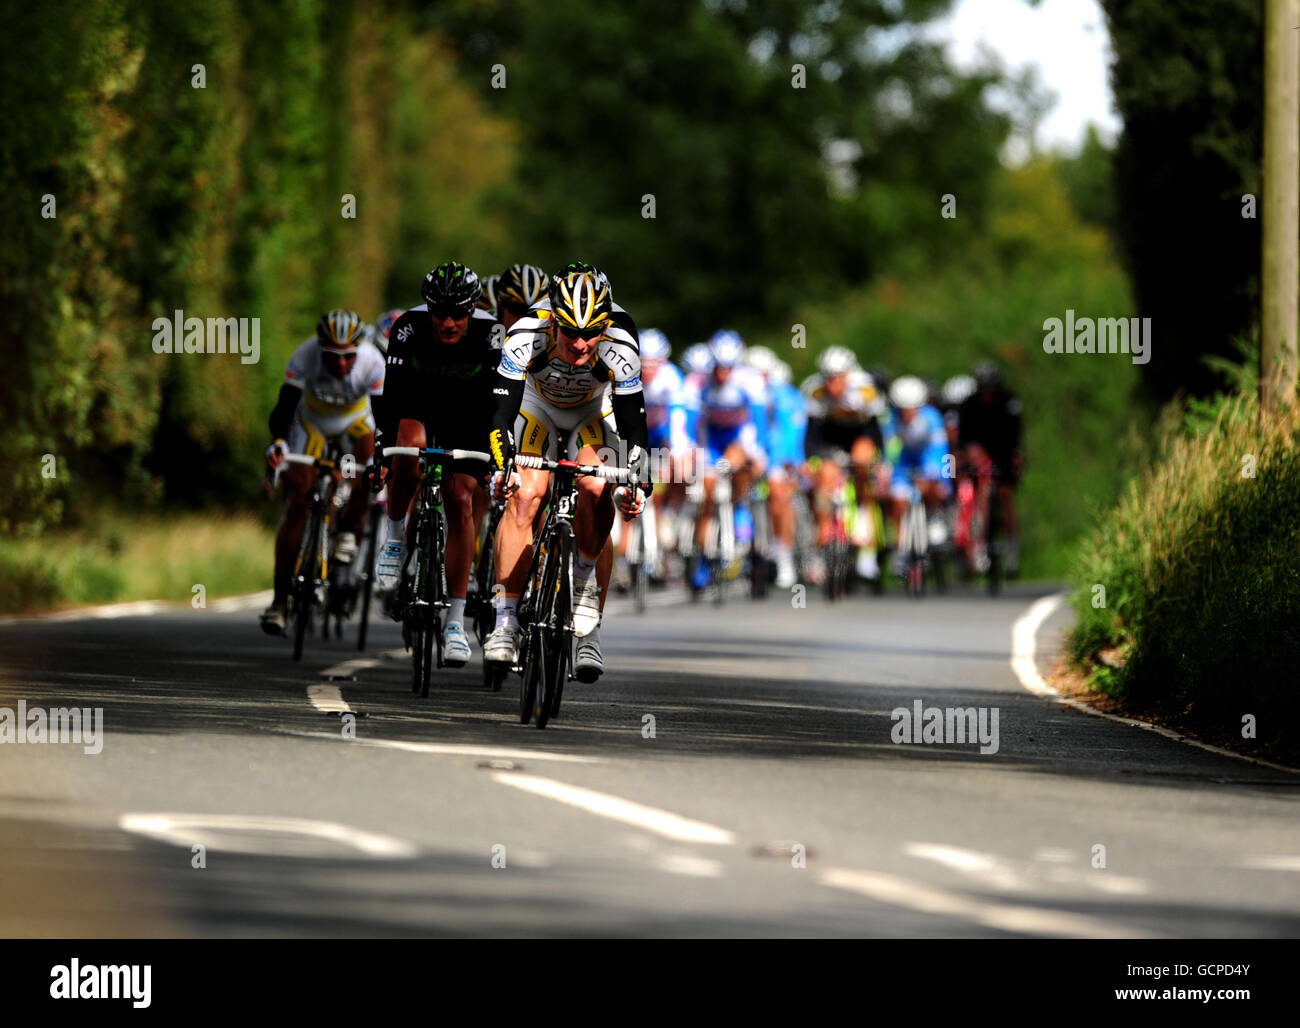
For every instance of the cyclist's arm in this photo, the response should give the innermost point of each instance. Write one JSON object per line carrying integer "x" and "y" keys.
{"x": 508, "y": 394}
{"x": 285, "y": 405}
{"x": 814, "y": 440}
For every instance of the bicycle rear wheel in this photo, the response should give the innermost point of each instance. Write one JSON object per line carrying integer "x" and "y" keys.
{"x": 557, "y": 630}
{"x": 368, "y": 573}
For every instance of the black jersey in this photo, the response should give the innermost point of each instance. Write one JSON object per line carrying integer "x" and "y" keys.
{"x": 446, "y": 386}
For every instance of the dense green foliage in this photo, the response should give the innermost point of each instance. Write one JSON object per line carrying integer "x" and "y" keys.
{"x": 1201, "y": 568}
{"x": 1188, "y": 83}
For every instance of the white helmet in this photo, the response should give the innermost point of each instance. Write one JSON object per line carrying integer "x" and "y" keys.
{"x": 781, "y": 373}
{"x": 726, "y": 348}
{"x": 654, "y": 345}
{"x": 762, "y": 359}
{"x": 697, "y": 360}
{"x": 908, "y": 392}
{"x": 837, "y": 360}
{"x": 957, "y": 389}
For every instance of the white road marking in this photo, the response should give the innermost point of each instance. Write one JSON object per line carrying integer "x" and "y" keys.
{"x": 984, "y": 866}
{"x": 1023, "y": 644}
{"x": 927, "y": 899}
{"x": 446, "y": 749}
{"x": 349, "y": 667}
{"x": 1273, "y": 863}
{"x": 690, "y": 865}
{"x": 652, "y": 819}
{"x": 257, "y": 834}
{"x": 328, "y": 698}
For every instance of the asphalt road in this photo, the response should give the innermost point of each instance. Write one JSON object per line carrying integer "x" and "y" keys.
{"x": 734, "y": 773}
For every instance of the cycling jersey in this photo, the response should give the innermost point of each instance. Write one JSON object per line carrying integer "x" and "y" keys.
{"x": 664, "y": 411}
{"x": 535, "y": 386}
{"x": 445, "y": 386}
{"x": 731, "y": 412}
{"x": 995, "y": 426}
{"x": 788, "y": 423}
{"x": 836, "y": 423}
{"x": 329, "y": 406}
{"x": 923, "y": 445}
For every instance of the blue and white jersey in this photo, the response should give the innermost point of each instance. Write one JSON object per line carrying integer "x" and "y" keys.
{"x": 788, "y": 424}
{"x": 664, "y": 410}
{"x": 922, "y": 442}
{"x": 732, "y": 412}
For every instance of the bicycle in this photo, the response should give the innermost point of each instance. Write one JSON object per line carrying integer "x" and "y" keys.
{"x": 914, "y": 542}
{"x": 985, "y": 520}
{"x": 642, "y": 555}
{"x": 480, "y": 604}
{"x": 546, "y": 604}
{"x": 422, "y": 589}
{"x": 310, "y": 584}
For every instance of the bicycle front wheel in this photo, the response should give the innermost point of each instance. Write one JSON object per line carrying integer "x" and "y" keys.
{"x": 304, "y": 586}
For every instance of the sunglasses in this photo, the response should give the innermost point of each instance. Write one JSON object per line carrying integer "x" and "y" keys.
{"x": 335, "y": 357}
{"x": 442, "y": 311}
{"x": 582, "y": 333}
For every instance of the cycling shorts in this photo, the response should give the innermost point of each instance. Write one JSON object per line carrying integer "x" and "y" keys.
{"x": 309, "y": 432}
{"x": 928, "y": 466}
{"x": 539, "y": 424}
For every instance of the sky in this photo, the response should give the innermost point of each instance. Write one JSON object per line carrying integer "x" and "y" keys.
{"x": 1067, "y": 39}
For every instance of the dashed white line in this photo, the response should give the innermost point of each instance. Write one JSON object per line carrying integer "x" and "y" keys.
{"x": 328, "y": 698}
{"x": 927, "y": 899}
{"x": 1273, "y": 863}
{"x": 447, "y": 749}
{"x": 249, "y": 833}
{"x": 652, "y": 819}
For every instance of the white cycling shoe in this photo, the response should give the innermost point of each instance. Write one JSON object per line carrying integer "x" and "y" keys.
{"x": 588, "y": 665}
{"x": 388, "y": 564}
{"x": 502, "y": 646}
{"x": 455, "y": 645}
{"x": 345, "y": 548}
{"x": 586, "y": 608}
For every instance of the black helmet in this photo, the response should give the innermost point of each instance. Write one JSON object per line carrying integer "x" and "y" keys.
{"x": 988, "y": 375}
{"x": 451, "y": 284}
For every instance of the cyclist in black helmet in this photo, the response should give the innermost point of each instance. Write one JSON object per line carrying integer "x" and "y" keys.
{"x": 438, "y": 392}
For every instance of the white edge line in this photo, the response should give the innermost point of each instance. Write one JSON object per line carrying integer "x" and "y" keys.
{"x": 1024, "y": 641}
{"x": 661, "y": 822}
{"x": 140, "y": 608}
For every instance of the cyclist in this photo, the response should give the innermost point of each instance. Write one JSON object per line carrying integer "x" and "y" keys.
{"x": 787, "y": 421}
{"x": 383, "y": 326}
{"x": 922, "y": 449}
{"x": 440, "y": 367}
{"x": 326, "y": 395}
{"x": 731, "y": 424}
{"x": 954, "y": 394}
{"x": 989, "y": 428}
{"x": 844, "y": 410}
{"x": 559, "y": 366}
{"x": 487, "y": 300}
{"x": 520, "y": 287}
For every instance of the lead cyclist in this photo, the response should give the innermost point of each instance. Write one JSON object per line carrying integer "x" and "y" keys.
{"x": 568, "y": 366}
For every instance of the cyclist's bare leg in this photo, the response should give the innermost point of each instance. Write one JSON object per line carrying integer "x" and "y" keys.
{"x": 354, "y": 513}
{"x": 297, "y": 480}
{"x": 780, "y": 506}
{"x": 744, "y": 470}
{"x": 825, "y": 485}
{"x": 404, "y": 478}
{"x": 458, "y": 505}
{"x": 514, "y": 545}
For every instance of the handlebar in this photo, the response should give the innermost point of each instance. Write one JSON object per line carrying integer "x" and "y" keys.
{"x": 624, "y": 476}
{"x": 434, "y": 451}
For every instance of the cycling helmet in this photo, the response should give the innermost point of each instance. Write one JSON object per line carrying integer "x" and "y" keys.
{"x": 957, "y": 389}
{"x": 907, "y": 392}
{"x": 987, "y": 375}
{"x": 781, "y": 373}
{"x": 340, "y": 331}
{"x": 762, "y": 359}
{"x": 726, "y": 348}
{"x": 837, "y": 360}
{"x": 385, "y": 322}
{"x": 488, "y": 300}
{"x": 581, "y": 299}
{"x": 654, "y": 345}
{"x": 451, "y": 284}
{"x": 697, "y": 360}
{"x": 520, "y": 287}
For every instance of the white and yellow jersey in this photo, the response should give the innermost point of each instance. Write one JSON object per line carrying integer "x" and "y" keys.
{"x": 531, "y": 352}
{"x": 329, "y": 402}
